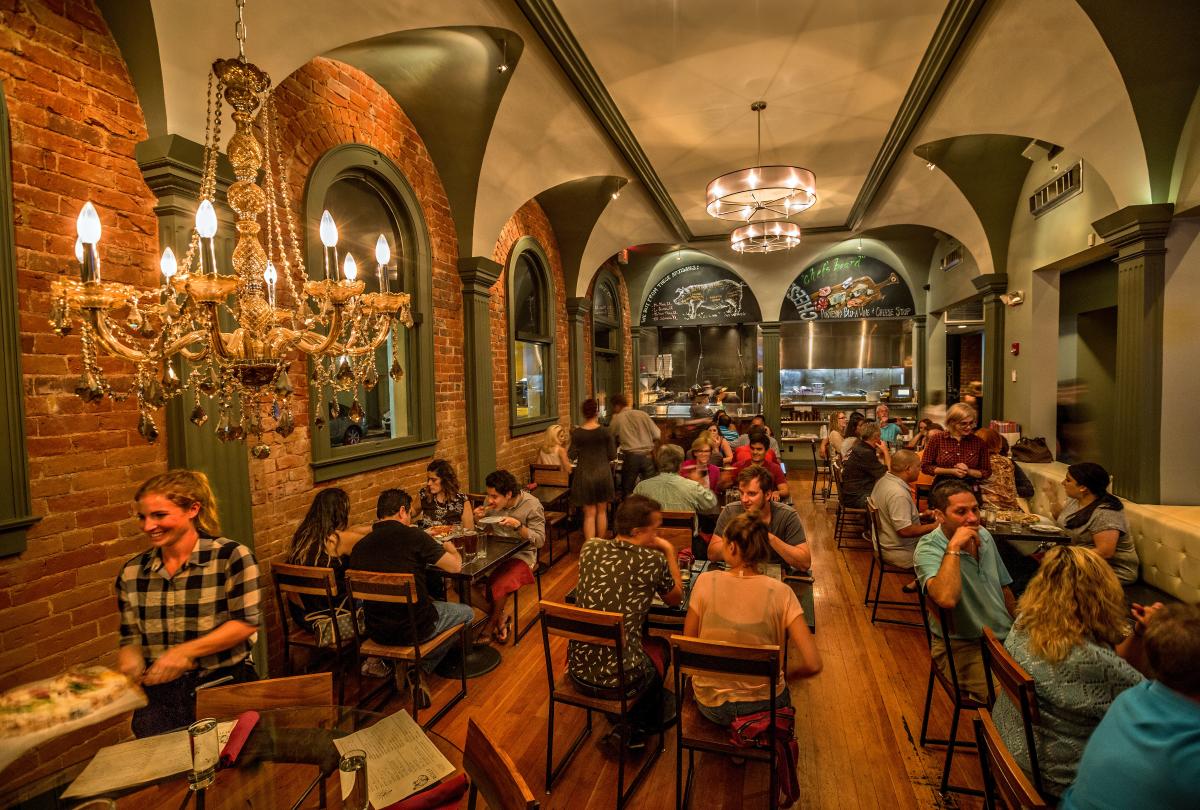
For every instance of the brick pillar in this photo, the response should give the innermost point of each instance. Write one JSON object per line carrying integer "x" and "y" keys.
{"x": 1138, "y": 232}
{"x": 577, "y": 310}
{"x": 992, "y": 285}
{"x": 478, "y": 274}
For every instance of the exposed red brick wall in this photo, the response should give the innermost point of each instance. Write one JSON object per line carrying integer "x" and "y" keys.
{"x": 74, "y": 120}
{"x": 324, "y": 104}
{"x": 629, "y": 373}
{"x": 970, "y": 364}
{"x": 515, "y": 453}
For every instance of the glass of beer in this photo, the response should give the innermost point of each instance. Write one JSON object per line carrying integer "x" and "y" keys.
{"x": 352, "y": 769}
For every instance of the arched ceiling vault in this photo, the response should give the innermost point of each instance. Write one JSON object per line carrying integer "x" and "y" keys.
{"x": 573, "y": 208}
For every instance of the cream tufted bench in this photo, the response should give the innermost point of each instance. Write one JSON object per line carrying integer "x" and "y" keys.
{"x": 1167, "y": 538}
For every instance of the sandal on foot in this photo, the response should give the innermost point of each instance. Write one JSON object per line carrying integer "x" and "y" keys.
{"x": 504, "y": 631}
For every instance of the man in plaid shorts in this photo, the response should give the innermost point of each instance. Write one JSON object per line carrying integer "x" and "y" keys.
{"x": 189, "y": 604}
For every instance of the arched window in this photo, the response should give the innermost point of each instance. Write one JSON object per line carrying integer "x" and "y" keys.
{"x": 531, "y": 338}
{"x": 608, "y": 371}
{"x": 368, "y": 197}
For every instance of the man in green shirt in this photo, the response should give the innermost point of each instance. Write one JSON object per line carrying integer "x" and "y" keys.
{"x": 961, "y": 570}
{"x": 672, "y": 490}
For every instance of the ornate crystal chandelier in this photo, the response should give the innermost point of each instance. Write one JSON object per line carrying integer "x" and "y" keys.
{"x": 235, "y": 330}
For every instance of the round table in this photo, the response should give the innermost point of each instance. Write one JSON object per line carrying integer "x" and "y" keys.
{"x": 281, "y": 763}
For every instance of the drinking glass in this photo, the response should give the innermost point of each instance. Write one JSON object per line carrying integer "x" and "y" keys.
{"x": 202, "y": 735}
{"x": 470, "y": 544}
{"x": 482, "y": 548}
{"x": 352, "y": 769}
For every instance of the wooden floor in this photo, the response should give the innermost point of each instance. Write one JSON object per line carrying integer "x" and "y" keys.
{"x": 857, "y": 722}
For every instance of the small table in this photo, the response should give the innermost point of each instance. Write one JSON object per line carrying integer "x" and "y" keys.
{"x": 1020, "y": 547}
{"x": 482, "y": 658}
{"x": 287, "y": 757}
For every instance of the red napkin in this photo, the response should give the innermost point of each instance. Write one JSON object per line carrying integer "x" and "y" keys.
{"x": 237, "y": 737}
{"x": 446, "y": 796}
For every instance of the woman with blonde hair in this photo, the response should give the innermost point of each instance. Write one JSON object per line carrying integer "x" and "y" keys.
{"x": 957, "y": 453}
{"x": 553, "y": 449}
{"x": 1071, "y": 636}
{"x": 835, "y": 435}
{"x": 189, "y": 603}
{"x": 699, "y": 467}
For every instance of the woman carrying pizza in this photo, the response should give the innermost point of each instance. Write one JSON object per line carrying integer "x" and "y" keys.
{"x": 189, "y": 603}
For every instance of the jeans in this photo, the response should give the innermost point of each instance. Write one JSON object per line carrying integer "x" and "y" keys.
{"x": 449, "y": 614}
{"x": 726, "y": 713}
{"x": 634, "y": 467}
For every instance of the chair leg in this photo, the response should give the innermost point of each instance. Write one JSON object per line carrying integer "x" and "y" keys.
{"x": 878, "y": 588}
{"x": 553, "y": 771}
{"x": 950, "y": 746}
{"x": 928, "y": 706}
{"x": 870, "y": 577}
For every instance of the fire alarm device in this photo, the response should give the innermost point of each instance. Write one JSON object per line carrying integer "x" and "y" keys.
{"x": 1016, "y": 349}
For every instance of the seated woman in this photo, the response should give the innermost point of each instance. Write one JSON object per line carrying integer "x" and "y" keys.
{"x": 553, "y": 449}
{"x": 699, "y": 467}
{"x": 868, "y": 461}
{"x": 851, "y": 434}
{"x": 924, "y": 428}
{"x": 1007, "y": 482}
{"x": 726, "y": 428}
{"x": 322, "y": 539}
{"x": 722, "y": 449}
{"x": 1095, "y": 518}
{"x": 742, "y": 606}
{"x": 1070, "y": 635}
{"x": 441, "y": 502}
{"x": 832, "y": 443}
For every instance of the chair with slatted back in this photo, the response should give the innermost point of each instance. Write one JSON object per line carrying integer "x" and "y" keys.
{"x": 399, "y": 592}
{"x": 1019, "y": 686}
{"x": 695, "y": 732}
{"x": 958, "y": 698}
{"x": 603, "y": 629}
{"x": 293, "y": 582}
{"x": 851, "y": 521}
{"x": 277, "y": 693}
{"x": 882, "y": 566}
{"x": 558, "y": 513}
{"x": 493, "y": 774}
{"x": 1001, "y": 773}
{"x": 822, "y": 474}
{"x": 679, "y": 528}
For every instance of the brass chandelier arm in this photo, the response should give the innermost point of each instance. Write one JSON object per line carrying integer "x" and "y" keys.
{"x": 111, "y": 342}
{"x": 180, "y": 346}
{"x": 314, "y": 342}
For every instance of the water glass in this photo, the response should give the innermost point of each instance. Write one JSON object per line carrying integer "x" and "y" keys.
{"x": 482, "y": 548}
{"x": 202, "y": 735}
{"x": 352, "y": 768}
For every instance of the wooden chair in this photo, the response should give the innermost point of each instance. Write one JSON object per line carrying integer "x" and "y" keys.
{"x": 399, "y": 591}
{"x": 277, "y": 693}
{"x": 851, "y": 521}
{"x": 519, "y": 631}
{"x": 294, "y": 581}
{"x": 822, "y": 474}
{"x": 718, "y": 658}
{"x": 878, "y": 563}
{"x": 493, "y": 774}
{"x": 557, "y": 519}
{"x": 602, "y": 629}
{"x": 679, "y": 528}
{"x": 1001, "y": 773}
{"x": 1019, "y": 686}
{"x": 960, "y": 700}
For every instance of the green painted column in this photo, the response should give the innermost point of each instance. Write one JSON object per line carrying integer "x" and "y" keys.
{"x": 577, "y": 310}
{"x": 770, "y": 374}
{"x": 478, "y": 274}
{"x": 992, "y": 286}
{"x": 1138, "y": 232}
{"x": 920, "y": 360}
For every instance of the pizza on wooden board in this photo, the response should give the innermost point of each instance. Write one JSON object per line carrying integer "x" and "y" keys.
{"x": 75, "y": 694}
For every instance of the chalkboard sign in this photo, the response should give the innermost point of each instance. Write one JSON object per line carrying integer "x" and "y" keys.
{"x": 700, "y": 294}
{"x": 850, "y": 287}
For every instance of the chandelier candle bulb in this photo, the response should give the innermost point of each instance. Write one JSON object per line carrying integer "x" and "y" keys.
{"x": 169, "y": 265}
{"x": 349, "y": 269}
{"x": 270, "y": 275}
{"x": 383, "y": 254}
{"x": 87, "y": 226}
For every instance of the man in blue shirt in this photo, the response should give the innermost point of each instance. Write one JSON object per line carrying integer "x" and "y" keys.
{"x": 961, "y": 571}
{"x": 1146, "y": 750}
{"x": 889, "y": 431}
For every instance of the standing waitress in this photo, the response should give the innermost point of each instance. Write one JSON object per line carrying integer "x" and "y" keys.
{"x": 957, "y": 453}
{"x": 189, "y": 603}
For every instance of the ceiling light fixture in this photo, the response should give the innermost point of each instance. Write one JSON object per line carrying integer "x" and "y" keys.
{"x": 238, "y": 338}
{"x": 761, "y": 192}
{"x": 765, "y": 237}
{"x": 503, "y": 66}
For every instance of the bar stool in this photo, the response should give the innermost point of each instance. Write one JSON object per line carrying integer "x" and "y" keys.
{"x": 821, "y": 471}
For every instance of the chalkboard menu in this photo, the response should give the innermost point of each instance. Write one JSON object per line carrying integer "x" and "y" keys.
{"x": 849, "y": 287}
{"x": 700, "y": 294}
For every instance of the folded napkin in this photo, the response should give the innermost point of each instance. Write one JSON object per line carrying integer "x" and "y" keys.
{"x": 446, "y": 796}
{"x": 237, "y": 737}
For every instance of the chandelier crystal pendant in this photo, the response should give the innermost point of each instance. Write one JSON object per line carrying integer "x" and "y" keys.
{"x": 765, "y": 237}
{"x": 761, "y": 192}
{"x": 237, "y": 330}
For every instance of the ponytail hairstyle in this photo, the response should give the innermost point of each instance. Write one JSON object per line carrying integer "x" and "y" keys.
{"x": 749, "y": 534}
{"x": 1094, "y": 479}
{"x": 185, "y": 488}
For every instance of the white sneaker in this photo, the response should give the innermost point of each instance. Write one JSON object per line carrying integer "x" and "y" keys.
{"x": 376, "y": 668}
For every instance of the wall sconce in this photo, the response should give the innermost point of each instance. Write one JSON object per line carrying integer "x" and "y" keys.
{"x": 1014, "y": 298}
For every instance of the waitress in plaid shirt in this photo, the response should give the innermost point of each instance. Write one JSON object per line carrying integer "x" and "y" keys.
{"x": 956, "y": 452}
{"x": 189, "y": 604}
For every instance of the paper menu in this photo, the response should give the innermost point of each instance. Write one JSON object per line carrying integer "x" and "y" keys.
{"x": 138, "y": 762}
{"x": 400, "y": 759}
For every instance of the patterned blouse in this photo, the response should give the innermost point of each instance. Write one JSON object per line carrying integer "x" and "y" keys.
{"x": 1000, "y": 488}
{"x": 441, "y": 513}
{"x": 623, "y": 578}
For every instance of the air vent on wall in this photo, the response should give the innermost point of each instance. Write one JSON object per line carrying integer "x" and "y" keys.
{"x": 952, "y": 258}
{"x": 970, "y": 312}
{"x": 1057, "y": 191}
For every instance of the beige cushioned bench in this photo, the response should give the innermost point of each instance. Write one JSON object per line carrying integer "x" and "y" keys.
{"x": 1167, "y": 538}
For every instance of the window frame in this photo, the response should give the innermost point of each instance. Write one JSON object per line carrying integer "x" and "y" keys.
{"x": 529, "y": 246}
{"x": 615, "y": 325}
{"x": 359, "y": 161}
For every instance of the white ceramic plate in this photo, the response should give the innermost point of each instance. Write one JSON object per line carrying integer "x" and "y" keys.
{"x": 490, "y": 520}
{"x": 1042, "y": 528}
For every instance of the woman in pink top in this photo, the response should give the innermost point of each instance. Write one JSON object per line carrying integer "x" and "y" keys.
{"x": 740, "y": 605}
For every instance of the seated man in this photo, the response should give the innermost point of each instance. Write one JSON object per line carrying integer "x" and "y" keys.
{"x": 900, "y": 523}
{"x": 521, "y": 516}
{"x": 622, "y": 576}
{"x": 961, "y": 570}
{"x": 759, "y": 442}
{"x": 395, "y": 546}
{"x": 1146, "y": 750}
{"x": 785, "y": 532}
{"x": 674, "y": 492}
{"x": 757, "y": 423}
{"x": 867, "y": 463}
{"x": 889, "y": 431}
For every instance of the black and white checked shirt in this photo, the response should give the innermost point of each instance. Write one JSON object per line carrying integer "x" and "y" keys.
{"x": 217, "y": 583}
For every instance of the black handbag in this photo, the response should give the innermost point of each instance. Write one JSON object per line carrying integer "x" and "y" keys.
{"x": 1032, "y": 451}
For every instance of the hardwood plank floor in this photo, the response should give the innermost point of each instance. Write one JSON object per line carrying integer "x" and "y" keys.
{"x": 857, "y": 722}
